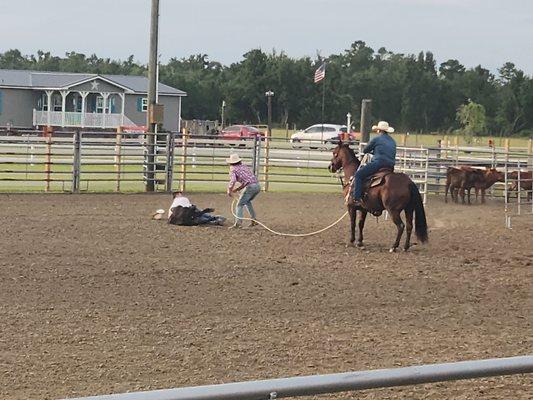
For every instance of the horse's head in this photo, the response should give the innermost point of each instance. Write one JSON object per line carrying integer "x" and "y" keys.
{"x": 342, "y": 156}
{"x": 336, "y": 160}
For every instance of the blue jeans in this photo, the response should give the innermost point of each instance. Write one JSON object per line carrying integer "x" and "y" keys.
{"x": 210, "y": 219}
{"x": 364, "y": 172}
{"x": 248, "y": 194}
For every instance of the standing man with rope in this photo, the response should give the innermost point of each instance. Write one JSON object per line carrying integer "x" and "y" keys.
{"x": 250, "y": 187}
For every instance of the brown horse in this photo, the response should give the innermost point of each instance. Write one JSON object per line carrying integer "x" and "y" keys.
{"x": 396, "y": 193}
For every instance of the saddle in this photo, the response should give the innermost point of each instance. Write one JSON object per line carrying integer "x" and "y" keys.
{"x": 372, "y": 181}
{"x": 377, "y": 179}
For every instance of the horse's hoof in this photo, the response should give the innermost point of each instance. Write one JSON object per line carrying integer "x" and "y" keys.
{"x": 360, "y": 245}
{"x": 405, "y": 249}
{"x": 392, "y": 250}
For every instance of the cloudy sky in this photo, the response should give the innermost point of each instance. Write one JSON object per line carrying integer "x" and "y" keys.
{"x": 486, "y": 32}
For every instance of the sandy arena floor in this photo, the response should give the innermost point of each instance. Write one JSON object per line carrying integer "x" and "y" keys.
{"x": 97, "y": 298}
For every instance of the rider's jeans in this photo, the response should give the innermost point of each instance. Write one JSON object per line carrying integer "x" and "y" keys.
{"x": 364, "y": 172}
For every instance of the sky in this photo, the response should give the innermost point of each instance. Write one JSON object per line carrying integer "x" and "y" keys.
{"x": 486, "y": 32}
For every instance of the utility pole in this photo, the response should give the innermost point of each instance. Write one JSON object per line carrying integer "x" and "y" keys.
{"x": 152, "y": 91}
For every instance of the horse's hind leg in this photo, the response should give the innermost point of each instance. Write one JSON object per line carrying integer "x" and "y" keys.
{"x": 362, "y": 219}
{"x": 409, "y": 226}
{"x": 395, "y": 215}
{"x": 353, "y": 214}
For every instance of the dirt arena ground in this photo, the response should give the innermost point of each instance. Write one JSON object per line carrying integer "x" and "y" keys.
{"x": 96, "y": 298}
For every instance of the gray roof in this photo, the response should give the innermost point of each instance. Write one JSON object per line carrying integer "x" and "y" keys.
{"x": 61, "y": 80}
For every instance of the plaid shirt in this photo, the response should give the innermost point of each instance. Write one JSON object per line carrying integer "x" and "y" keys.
{"x": 241, "y": 173}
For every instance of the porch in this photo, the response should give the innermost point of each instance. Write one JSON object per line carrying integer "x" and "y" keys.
{"x": 80, "y": 109}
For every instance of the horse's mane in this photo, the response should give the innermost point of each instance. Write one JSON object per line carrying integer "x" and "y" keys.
{"x": 351, "y": 153}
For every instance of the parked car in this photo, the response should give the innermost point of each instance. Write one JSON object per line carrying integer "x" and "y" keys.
{"x": 317, "y": 135}
{"x": 241, "y": 132}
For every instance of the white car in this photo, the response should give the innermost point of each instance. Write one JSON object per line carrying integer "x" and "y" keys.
{"x": 318, "y": 134}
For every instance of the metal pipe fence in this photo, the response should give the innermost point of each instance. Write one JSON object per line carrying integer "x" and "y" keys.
{"x": 109, "y": 161}
{"x": 332, "y": 383}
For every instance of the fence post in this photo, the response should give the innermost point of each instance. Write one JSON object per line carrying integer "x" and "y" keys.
{"x": 255, "y": 157}
{"x": 184, "y": 159}
{"x": 48, "y": 157}
{"x": 169, "y": 169}
{"x": 267, "y": 159}
{"x": 456, "y": 145}
{"x": 530, "y": 154}
{"x": 76, "y": 162}
{"x": 403, "y": 141}
{"x": 118, "y": 156}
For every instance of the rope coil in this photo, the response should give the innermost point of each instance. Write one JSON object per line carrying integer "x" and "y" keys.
{"x": 233, "y": 206}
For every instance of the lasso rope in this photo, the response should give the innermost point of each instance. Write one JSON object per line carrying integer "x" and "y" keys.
{"x": 281, "y": 233}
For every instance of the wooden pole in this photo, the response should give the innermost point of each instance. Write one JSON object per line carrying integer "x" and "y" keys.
{"x": 366, "y": 110}
{"x": 48, "y": 158}
{"x": 152, "y": 92}
{"x": 118, "y": 156}
{"x": 530, "y": 154}
{"x": 456, "y": 145}
{"x": 184, "y": 159}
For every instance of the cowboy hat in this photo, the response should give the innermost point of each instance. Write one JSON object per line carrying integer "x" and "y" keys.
{"x": 383, "y": 126}
{"x": 233, "y": 159}
{"x": 158, "y": 214}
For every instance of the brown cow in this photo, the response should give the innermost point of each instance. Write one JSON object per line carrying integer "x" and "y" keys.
{"x": 465, "y": 177}
{"x": 526, "y": 182}
{"x": 460, "y": 178}
{"x": 482, "y": 182}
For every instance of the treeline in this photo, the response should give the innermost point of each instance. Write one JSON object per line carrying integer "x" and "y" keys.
{"x": 412, "y": 92}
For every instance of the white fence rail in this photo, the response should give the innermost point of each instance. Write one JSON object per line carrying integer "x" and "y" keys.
{"x": 350, "y": 381}
{"x": 78, "y": 119}
{"x": 111, "y": 161}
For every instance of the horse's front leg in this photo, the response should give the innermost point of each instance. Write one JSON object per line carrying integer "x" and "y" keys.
{"x": 353, "y": 214}
{"x": 362, "y": 219}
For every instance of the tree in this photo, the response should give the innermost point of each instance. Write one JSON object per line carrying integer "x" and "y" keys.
{"x": 473, "y": 119}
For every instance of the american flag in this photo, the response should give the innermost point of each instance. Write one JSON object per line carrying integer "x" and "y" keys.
{"x": 320, "y": 73}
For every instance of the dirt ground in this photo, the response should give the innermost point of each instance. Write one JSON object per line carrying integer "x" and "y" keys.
{"x": 96, "y": 298}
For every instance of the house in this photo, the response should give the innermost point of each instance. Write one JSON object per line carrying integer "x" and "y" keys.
{"x": 62, "y": 99}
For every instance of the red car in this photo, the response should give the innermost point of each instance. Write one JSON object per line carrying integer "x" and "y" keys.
{"x": 241, "y": 132}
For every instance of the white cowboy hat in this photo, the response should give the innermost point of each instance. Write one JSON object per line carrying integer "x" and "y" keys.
{"x": 233, "y": 159}
{"x": 383, "y": 126}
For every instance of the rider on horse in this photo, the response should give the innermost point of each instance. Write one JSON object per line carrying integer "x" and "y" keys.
{"x": 383, "y": 147}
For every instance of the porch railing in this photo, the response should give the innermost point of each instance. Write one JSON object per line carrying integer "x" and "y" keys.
{"x": 78, "y": 119}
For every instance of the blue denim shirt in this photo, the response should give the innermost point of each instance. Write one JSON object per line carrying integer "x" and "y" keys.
{"x": 384, "y": 149}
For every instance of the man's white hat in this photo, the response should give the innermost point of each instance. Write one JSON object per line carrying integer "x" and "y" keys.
{"x": 383, "y": 126}
{"x": 233, "y": 159}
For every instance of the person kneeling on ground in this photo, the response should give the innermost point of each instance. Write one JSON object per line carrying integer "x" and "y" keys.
{"x": 183, "y": 212}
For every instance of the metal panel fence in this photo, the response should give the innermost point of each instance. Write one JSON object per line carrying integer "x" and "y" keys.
{"x": 350, "y": 381}
{"x": 108, "y": 161}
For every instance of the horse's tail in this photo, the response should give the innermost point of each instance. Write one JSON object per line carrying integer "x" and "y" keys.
{"x": 421, "y": 226}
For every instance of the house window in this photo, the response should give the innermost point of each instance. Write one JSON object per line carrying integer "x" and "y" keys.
{"x": 144, "y": 103}
{"x": 42, "y": 102}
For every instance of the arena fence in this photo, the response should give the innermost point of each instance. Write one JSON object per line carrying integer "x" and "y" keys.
{"x": 350, "y": 381}
{"x": 518, "y": 193}
{"x": 109, "y": 161}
